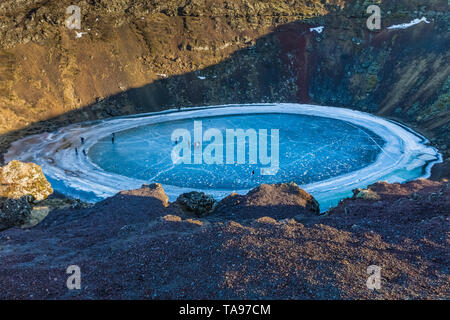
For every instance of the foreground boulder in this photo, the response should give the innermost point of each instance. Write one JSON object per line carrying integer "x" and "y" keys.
{"x": 21, "y": 185}
{"x": 197, "y": 203}
{"x": 18, "y": 179}
{"x": 365, "y": 194}
{"x": 277, "y": 201}
{"x": 154, "y": 190}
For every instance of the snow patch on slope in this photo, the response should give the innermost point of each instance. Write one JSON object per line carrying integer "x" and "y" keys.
{"x": 407, "y": 25}
{"x": 318, "y": 29}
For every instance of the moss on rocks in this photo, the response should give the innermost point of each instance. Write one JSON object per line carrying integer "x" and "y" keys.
{"x": 18, "y": 179}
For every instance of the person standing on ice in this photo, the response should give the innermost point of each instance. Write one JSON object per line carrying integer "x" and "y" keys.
{"x": 82, "y": 140}
{"x": 113, "y": 138}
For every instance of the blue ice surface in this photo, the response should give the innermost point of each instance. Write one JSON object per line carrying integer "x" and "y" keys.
{"x": 312, "y": 149}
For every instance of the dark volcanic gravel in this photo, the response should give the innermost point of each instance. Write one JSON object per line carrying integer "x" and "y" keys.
{"x": 136, "y": 246}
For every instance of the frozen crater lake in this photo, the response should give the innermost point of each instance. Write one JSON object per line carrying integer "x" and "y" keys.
{"x": 223, "y": 149}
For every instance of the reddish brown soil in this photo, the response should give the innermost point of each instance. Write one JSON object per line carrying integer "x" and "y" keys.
{"x": 293, "y": 40}
{"x": 126, "y": 249}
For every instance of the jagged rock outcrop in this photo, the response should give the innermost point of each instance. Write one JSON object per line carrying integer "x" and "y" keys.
{"x": 154, "y": 190}
{"x": 22, "y": 185}
{"x": 417, "y": 208}
{"x": 197, "y": 203}
{"x": 277, "y": 201}
{"x": 18, "y": 179}
{"x": 366, "y": 194}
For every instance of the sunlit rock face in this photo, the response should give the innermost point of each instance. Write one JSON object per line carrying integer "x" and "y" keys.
{"x": 18, "y": 179}
{"x": 21, "y": 186}
{"x": 277, "y": 201}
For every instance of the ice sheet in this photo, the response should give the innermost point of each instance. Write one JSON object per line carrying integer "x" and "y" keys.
{"x": 405, "y": 156}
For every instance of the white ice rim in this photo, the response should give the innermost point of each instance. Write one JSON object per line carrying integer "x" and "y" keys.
{"x": 54, "y": 152}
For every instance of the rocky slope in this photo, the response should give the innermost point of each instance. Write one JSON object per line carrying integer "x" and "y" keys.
{"x": 137, "y": 246}
{"x": 141, "y": 56}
